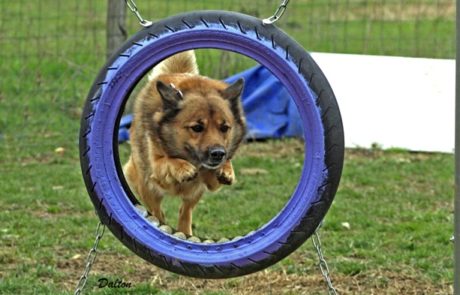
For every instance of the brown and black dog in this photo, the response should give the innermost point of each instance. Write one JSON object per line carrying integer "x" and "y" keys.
{"x": 185, "y": 131}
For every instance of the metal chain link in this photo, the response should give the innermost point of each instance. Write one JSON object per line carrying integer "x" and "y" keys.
{"x": 90, "y": 259}
{"x": 133, "y": 7}
{"x": 322, "y": 262}
{"x": 100, "y": 233}
{"x": 278, "y": 13}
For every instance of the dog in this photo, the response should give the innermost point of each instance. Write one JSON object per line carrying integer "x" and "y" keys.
{"x": 186, "y": 129}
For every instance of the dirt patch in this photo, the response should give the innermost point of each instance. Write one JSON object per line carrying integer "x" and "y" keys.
{"x": 136, "y": 271}
{"x": 394, "y": 12}
{"x": 397, "y": 156}
{"x": 272, "y": 148}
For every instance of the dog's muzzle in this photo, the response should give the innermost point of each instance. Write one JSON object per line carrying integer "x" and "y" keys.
{"x": 215, "y": 157}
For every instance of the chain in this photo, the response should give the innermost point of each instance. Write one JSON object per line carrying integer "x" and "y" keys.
{"x": 278, "y": 13}
{"x": 268, "y": 21}
{"x": 133, "y": 7}
{"x": 90, "y": 259}
{"x": 322, "y": 262}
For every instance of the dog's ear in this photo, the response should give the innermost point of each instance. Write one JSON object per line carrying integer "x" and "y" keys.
{"x": 233, "y": 91}
{"x": 169, "y": 94}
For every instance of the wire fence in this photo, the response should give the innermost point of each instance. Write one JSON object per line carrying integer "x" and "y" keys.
{"x": 51, "y": 50}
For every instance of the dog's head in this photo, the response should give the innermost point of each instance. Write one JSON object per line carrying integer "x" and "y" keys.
{"x": 202, "y": 120}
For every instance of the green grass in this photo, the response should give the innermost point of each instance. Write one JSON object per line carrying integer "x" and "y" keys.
{"x": 398, "y": 204}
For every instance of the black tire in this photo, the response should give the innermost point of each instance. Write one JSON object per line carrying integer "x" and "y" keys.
{"x": 323, "y": 136}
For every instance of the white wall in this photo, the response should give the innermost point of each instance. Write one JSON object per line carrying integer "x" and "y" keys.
{"x": 394, "y": 101}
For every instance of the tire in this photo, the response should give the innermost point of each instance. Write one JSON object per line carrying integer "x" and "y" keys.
{"x": 318, "y": 109}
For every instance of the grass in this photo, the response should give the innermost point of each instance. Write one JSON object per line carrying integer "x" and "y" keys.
{"x": 398, "y": 204}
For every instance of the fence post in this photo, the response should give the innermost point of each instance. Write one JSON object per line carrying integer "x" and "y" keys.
{"x": 116, "y": 25}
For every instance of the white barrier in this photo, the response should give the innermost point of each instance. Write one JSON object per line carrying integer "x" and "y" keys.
{"x": 394, "y": 101}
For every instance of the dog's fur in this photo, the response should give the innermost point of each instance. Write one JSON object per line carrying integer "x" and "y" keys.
{"x": 183, "y": 124}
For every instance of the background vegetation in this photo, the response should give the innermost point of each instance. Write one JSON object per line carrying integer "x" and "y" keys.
{"x": 387, "y": 232}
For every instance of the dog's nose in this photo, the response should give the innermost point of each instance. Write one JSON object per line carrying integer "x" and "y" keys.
{"x": 216, "y": 154}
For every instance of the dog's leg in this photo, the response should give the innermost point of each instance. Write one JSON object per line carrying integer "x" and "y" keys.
{"x": 225, "y": 174}
{"x": 131, "y": 176}
{"x": 149, "y": 195}
{"x": 151, "y": 198}
{"x": 185, "y": 214}
{"x": 210, "y": 179}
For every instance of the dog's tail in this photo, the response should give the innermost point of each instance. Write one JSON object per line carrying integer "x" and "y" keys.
{"x": 180, "y": 63}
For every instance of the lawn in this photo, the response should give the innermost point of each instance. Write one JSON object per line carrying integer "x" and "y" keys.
{"x": 387, "y": 231}
{"x": 398, "y": 206}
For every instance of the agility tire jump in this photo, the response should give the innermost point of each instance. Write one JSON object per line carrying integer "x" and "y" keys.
{"x": 321, "y": 121}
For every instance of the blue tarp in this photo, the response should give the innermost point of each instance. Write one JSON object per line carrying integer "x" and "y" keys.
{"x": 269, "y": 109}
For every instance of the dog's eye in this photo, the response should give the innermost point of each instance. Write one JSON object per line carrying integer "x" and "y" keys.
{"x": 224, "y": 128}
{"x": 198, "y": 128}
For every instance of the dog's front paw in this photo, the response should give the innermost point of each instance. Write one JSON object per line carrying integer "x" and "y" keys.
{"x": 172, "y": 171}
{"x": 184, "y": 171}
{"x": 226, "y": 175}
